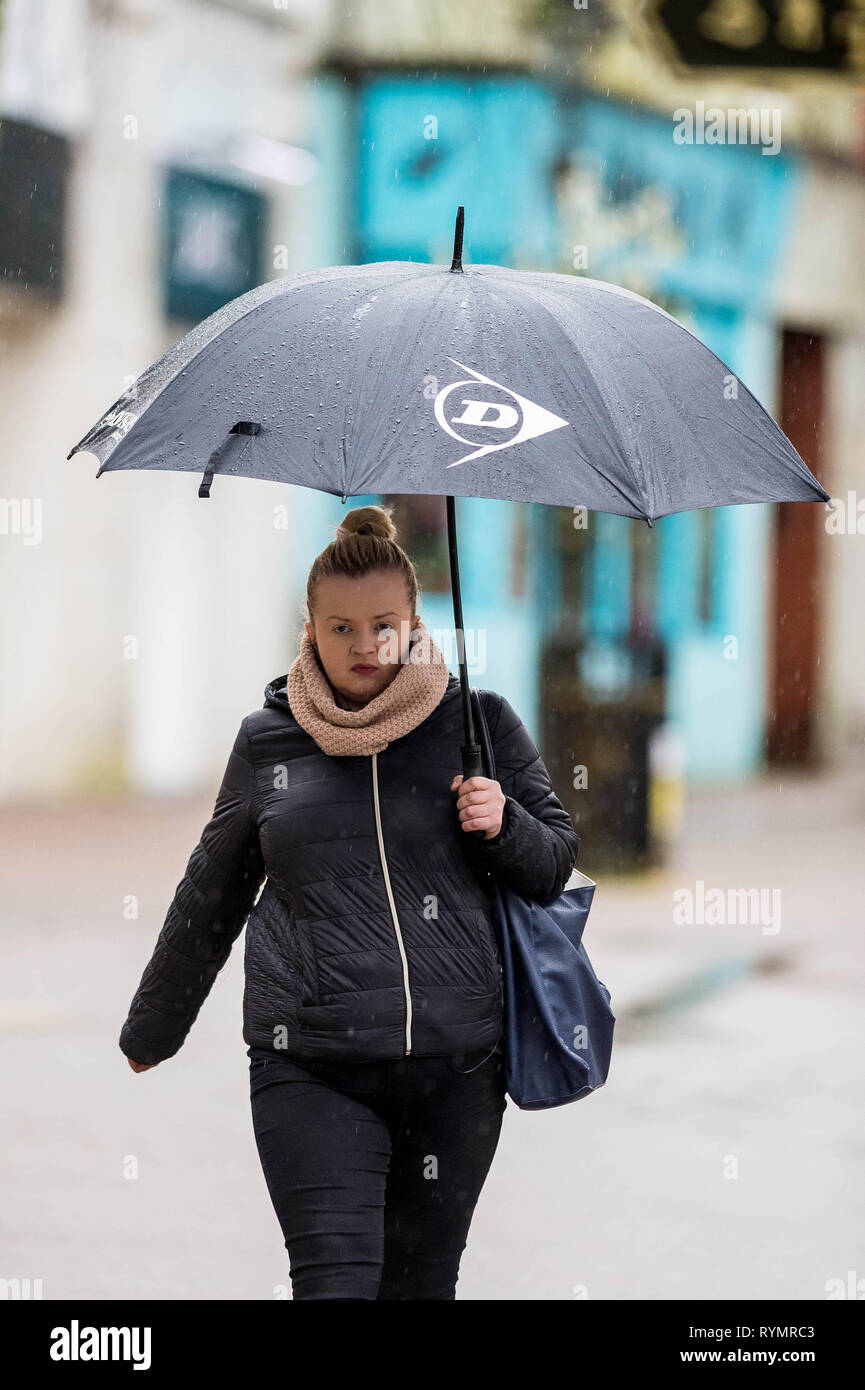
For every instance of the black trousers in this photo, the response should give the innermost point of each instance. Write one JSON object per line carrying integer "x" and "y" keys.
{"x": 374, "y": 1168}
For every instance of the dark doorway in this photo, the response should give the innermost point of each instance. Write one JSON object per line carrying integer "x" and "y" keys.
{"x": 795, "y": 560}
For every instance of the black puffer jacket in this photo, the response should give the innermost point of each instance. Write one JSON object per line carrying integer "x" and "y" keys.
{"x": 373, "y": 934}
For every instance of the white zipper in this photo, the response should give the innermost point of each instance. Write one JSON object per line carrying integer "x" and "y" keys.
{"x": 392, "y": 904}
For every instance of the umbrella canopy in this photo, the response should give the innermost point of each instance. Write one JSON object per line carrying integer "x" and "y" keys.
{"x": 474, "y": 381}
{"x": 404, "y": 377}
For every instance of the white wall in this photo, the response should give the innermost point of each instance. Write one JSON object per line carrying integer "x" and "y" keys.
{"x": 204, "y": 587}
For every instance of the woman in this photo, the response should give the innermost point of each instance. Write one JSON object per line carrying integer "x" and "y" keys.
{"x": 373, "y": 996}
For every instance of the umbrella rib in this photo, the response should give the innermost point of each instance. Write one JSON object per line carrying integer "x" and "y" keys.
{"x": 181, "y": 362}
{"x": 283, "y": 285}
{"x": 647, "y": 508}
{"x": 385, "y": 347}
{"x": 619, "y": 291}
{"x": 651, "y": 369}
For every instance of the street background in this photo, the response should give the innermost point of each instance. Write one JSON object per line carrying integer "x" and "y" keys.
{"x": 697, "y": 690}
{"x": 731, "y": 1046}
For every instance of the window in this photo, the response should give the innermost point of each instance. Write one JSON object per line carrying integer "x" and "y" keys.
{"x": 34, "y": 174}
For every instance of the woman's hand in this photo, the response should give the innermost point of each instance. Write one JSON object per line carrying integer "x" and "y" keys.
{"x": 141, "y": 1066}
{"x": 481, "y": 804}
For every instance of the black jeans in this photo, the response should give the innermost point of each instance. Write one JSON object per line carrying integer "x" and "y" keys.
{"x": 374, "y": 1168}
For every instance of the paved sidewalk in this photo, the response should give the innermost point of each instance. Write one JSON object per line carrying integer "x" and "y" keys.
{"x": 796, "y": 840}
{"x": 736, "y": 1049}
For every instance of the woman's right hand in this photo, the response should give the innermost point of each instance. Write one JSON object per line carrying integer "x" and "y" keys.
{"x": 141, "y": 1066}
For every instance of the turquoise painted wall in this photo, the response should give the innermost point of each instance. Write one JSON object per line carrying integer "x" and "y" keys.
{"x": 386, "y": 189}
{"x": 729, "y": 209}
{"x": 719, "y": 670}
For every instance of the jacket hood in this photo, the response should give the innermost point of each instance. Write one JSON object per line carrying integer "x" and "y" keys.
{"x": 276, "y": 691}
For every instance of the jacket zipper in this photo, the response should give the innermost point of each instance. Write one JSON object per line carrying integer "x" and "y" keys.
{"x": 390, "y": 898}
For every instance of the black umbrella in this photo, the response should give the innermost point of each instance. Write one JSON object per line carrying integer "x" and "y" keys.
{"x": 469, "y": 381}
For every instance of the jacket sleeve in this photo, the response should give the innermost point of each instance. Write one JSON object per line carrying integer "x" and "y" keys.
{"x": 536, "y": 849}
{"x": 207, "y": 913}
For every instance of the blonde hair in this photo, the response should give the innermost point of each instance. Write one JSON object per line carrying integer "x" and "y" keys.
{"x": 365, "y": 541}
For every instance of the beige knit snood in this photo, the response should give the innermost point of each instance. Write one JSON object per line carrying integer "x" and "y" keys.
{"x": 414, "y": 692}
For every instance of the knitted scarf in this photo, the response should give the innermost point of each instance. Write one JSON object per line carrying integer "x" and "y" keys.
{"x": 412, "y": 694}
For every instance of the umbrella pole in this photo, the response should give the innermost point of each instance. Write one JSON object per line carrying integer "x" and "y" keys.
{"x": 471, "y": 749}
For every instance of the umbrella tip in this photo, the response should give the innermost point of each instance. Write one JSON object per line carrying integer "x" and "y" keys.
{"x": 648, "y": 521}
{"x": 457, "y": 263}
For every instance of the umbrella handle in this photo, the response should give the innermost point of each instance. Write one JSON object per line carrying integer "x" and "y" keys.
{"x": 473, "y": 767}
{"x": 473, "y": 764}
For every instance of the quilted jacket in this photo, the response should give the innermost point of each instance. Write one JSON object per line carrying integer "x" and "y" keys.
{"x": 372, "y": 936}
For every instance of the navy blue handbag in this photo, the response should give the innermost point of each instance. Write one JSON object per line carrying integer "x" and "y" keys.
{"x": 557, "y": 1017}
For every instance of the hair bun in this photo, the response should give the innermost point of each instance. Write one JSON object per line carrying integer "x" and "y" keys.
{"x": 368, "y": 521}
{"x": 365, "y": 543}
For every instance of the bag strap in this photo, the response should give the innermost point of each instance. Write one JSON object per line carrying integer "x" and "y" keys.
{"x": 485, "y": 740}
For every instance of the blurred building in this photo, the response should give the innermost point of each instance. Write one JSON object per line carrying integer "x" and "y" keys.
{"x": 166, "y": 156}
{"x": 157, "y": 159}
{"x": 770, "y": 269}
{"x": 569, "y": 157}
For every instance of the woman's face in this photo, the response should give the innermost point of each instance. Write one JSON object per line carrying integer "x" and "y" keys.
{"x": 362, "y": 628}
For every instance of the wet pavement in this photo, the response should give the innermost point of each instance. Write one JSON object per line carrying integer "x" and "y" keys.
{"x": 721, "y": 1160}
